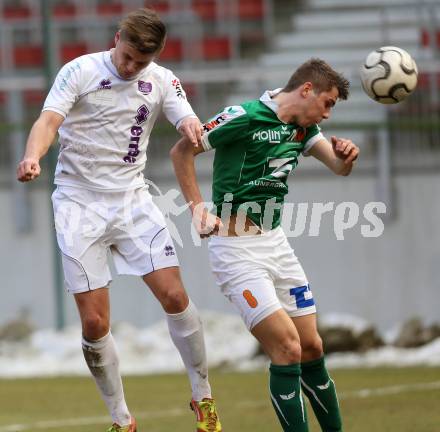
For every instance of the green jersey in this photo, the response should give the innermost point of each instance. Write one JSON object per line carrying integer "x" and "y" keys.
{"x": 255, "y": 152}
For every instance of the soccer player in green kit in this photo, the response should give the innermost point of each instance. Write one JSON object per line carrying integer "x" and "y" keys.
{"x": 256, "y": 145}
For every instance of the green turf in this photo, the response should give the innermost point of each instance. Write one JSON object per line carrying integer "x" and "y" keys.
{"x": 414, "y": 406}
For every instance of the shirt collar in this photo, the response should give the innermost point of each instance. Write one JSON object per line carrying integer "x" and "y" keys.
{"x": 266, "y": 98}
{"x": 111, "y": 66}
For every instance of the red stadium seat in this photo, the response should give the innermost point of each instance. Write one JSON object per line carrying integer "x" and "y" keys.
{"x": 190, "y": 90}
{"x": 251, "y": 9}
{"x": 216, "y": 48}
{"x": 158, "y": 5}
{"x": 205, "y": 9}
{"x": 28, "y": 56}
{"x": 64, "y": 10}
{"x": 110, "y": 8}
{"x": 173, "y": 51}
{"x": 69, "y": 51}
{"x": 424, "y": 80}
{"x": 34, "y": 97}
{"x": 426, "y": 38}
{"x": 12, "y": 12}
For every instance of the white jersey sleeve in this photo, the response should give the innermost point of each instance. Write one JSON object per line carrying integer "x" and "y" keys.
{"x": 65, "y": 90}
{"x": 175, "y": 105}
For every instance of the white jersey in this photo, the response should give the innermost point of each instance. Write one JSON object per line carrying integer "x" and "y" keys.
{"x": 108, "y": 120}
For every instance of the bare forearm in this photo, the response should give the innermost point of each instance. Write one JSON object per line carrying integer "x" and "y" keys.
{"x": 183, "y": 160}
{"x": 339, "y": 155}
{"x": 182, "y": 155}
{"x": 42, "y": 135}
{"x": 40, "y": 138}
{"x": 342, "y": 168}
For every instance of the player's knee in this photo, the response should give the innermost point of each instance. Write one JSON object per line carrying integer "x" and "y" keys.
{"x": 174, "y": 300}
{"x": 292, "y": 351}
{"x": 288, "y": 351}
{"x": 95, "y": 326}
{"x": 312, "y": 349}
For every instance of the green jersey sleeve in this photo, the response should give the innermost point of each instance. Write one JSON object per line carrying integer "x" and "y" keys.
{"x": 225, "y": 128}
{"x": 313, "y": 134}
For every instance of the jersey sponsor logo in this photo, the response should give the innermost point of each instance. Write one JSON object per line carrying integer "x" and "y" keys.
{"x": 133, "y": 147}
{"x": 179, "y": 90}
{"x": 135, "y": 134}
{"x": 65, "y": 77}
{"x": 228, "y": 114}
{"x": 143, "y": 113}
{"x": 273, "y": 137}
{"x": 267, "y": 183}
{"x": 283, "y": 167}
{"x": 298, "y": 135}
{"x": 285, "y": 130}
{"x": 276, "y": 179}
{"x": 105, "y": 84}
{"x": 102, "y": 97}
{"x": 208, "y": 126}
{"x": 234, "y": 110}
{"x": 86, "y": 157}
{"x": 145, "y": 87}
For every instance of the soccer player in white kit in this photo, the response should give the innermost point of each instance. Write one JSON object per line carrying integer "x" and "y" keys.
{"x": 104, "y": 106}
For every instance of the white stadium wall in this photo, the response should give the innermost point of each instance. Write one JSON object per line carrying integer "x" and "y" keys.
{"x": 385, "y": 280}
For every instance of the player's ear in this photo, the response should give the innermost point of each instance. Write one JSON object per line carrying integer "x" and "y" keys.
{"x": 117, "y": 36}
{"x": 306, "y": 89}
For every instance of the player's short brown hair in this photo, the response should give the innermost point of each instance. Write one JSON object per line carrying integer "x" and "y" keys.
{"x": 322, "y": 77}
{"x": 144, "y": 31}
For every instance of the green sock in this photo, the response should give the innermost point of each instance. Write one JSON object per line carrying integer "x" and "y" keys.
{"x": 321, "y": 391}
{"x": 286, "y": 395}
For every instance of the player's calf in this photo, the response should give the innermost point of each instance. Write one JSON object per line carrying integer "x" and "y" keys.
{"x": 321, "y": 392}
{"x": 286, "y": 396}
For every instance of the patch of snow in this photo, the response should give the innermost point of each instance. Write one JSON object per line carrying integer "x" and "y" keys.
{"x": 150, "y": 350}
{"x": 332, "y": 320}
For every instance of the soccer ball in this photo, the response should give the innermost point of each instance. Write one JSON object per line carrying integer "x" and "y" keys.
{"x": 389, "y": 75}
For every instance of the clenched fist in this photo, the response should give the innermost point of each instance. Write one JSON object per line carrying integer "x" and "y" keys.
{"x": 28, "y": 169}
{"x": 345, "y": 149}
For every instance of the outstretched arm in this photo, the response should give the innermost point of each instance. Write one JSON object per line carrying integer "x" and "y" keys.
{"x": 182, "y": 155}
{"x": 40, "y": 138}
{"x": 339, "y": 155}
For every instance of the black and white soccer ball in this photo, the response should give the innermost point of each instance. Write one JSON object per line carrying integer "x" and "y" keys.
{"x": 389, "y": 75}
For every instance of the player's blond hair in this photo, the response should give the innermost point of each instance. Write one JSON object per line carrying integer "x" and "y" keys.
{"x": 144, "y": 31}
{"x": 322, "y": 77}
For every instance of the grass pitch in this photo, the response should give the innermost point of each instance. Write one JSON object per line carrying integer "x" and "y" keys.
{"x": 372, "y": 400}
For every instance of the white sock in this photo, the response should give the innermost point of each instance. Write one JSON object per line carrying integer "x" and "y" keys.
{"x": 187, "y": 334}
{"x": 103, "y": 362}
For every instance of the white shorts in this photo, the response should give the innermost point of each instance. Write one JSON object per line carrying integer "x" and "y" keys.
{"x": 89, "y": 224}
{"x": 260, "y": 274}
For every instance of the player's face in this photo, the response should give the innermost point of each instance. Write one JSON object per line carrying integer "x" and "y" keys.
{"x": 127, "y": 60}
{"x": 317, "y": 107}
